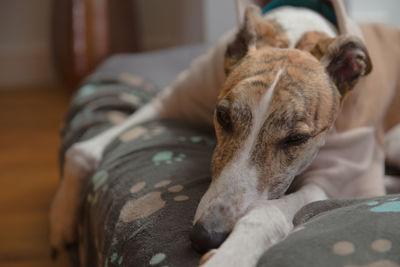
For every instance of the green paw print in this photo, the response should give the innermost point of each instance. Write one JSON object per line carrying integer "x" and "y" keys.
{"x": 140, "y": 132}
{"x": 99, "y": 179}
{"x": 86, "y": 90}
{"x": 389, "y": 205}
{"x": 114, "y": 259}
{"x": 193, "y": 139}
{"x": 196, "y": 140}
{"x": 167, "y": 157}
{"x": 157, "y": 259}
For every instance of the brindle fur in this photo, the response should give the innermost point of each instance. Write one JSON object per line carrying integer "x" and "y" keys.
{"x": 310, "y": 81}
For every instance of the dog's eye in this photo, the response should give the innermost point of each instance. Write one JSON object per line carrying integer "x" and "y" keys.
{"x": 295, "y": 140}
{"x": 223, "y": 118}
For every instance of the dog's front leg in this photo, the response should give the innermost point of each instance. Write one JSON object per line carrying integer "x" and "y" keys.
{"x": 266, "y": 223}
{"x": 191, "y": 98}
{"x": 80, "y": 162}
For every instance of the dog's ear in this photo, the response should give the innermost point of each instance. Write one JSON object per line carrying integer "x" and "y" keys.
{"x": 244, "y": 40}
{"x": 254, "y": 33}
{"x": 345, "y": 58}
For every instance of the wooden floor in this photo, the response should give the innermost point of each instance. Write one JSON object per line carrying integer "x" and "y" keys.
{"x": 29, "y": 127}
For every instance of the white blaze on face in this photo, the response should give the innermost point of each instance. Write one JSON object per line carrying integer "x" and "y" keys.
{"x": 239, "y": 179}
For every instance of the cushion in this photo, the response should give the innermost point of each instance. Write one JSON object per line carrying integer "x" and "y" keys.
{"x": 138, "y": 206}
{"x": 348, "y": 233}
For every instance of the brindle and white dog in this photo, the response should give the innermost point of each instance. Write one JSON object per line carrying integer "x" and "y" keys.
{"x": 287, "y": 75}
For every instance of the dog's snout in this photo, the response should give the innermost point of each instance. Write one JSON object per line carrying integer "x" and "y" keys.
{"x": 203, "y": 240}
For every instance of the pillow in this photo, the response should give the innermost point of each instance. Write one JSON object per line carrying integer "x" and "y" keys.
{"x": 346, "y": 233}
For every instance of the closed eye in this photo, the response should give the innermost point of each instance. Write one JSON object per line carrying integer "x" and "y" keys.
{"x": 223, "y": 118}
{"x": 294, "y": 140}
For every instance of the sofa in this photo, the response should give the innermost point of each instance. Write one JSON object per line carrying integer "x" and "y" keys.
{"x": 138, "y": 206}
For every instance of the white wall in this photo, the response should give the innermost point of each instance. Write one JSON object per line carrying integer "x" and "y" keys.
{"x": 25, "y": 25}
{"x": 219, "y": 17}
{"x": 383, "y": 11}
{"x": 25, "y": 55}
{"x": 165, "y": 23}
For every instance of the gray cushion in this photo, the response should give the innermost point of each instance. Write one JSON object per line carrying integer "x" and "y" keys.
{"x": 139, "y": 205}
{"x": 160, "y": 67}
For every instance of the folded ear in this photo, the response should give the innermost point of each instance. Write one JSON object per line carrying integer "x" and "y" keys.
{"x": 346, "y": 59}
{"x": 254, "y": 33}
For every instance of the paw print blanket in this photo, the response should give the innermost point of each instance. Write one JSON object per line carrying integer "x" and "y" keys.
{"x": 137, "y": 208}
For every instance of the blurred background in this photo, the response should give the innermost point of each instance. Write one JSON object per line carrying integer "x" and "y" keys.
{"x": 46, "y": 48}
{"x": 44, "y": 42}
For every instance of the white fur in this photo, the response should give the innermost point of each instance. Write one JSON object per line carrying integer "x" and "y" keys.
{"x": 65, "y": 206}
{"x": 241, "y": 164}
{"x": 239, "y": 174}
{"x": 81, "y": 160}
{"x": 296, "y": 21}
{"x": 264, "y": 225}
{"x": 259, "y": 115}
{"x": 271, "y": 220}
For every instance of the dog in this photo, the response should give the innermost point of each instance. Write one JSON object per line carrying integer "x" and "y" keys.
{"x": 291, "y": 88}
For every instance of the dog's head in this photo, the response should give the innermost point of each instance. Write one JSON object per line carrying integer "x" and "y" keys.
{"x": 272, "y": 115}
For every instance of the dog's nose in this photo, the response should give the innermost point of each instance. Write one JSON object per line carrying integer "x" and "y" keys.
{"x": 203, "y": 240}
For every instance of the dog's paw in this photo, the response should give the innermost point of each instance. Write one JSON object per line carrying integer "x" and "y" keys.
{"x": 81, "y": 161}
{"x": 259, "y": 229}
{"x": 62, "y": 225}
{"x": 63, "y": 219}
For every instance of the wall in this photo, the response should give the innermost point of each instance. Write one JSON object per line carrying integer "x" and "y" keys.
{"x": 25, "y": 41}
{"x": 25, "y": 55}
{"x": 383, "y": 11}
{"x": 219, "y": 17}
{"x": 164, "y": 23}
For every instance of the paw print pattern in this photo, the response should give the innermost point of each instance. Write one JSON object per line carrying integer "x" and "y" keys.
{"x": 390, "y": 205}
{"x": 136, "y": 81}
{"x": 141, "y": 132}
{"x": 98, "y": 180}
{"x": 149, "y": 203}
{"x": 195, "y": 140}
{"x": 378, "y": 263}
{"x": 131, "y": 79}
{"x": 167, "y": 157}
{"x": 157, "y": 259}
{"x": 114, "y": 258}
{"x": 86, "y": 90}
{"x": 131, "y": 99}
{"x": 345, "y": 248}
{"x": 116, "y": 117}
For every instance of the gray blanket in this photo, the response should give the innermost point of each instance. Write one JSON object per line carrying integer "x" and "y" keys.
{"x": 139, "y": 205}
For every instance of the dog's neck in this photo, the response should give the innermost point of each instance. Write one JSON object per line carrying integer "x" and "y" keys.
{"x": 297, "y": 21}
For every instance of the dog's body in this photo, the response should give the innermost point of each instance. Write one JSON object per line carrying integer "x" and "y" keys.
{"x": 287, "y": 75}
